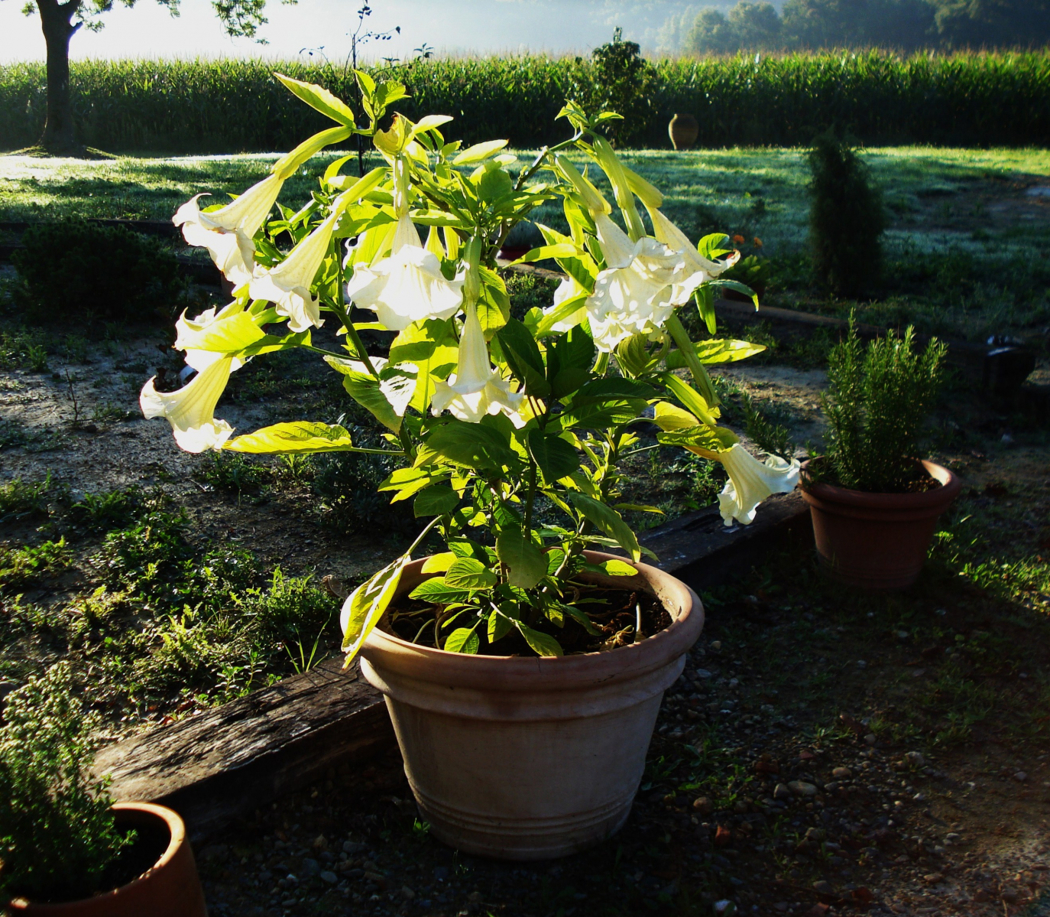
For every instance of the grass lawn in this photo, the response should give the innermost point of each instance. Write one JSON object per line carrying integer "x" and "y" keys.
{"x": 964, "y": 249}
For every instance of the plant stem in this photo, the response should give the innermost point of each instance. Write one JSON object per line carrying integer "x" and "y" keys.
{"x": 696, "y": 368}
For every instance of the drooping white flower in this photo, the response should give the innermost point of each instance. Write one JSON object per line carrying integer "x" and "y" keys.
{"x": 633, "y": 294}
{"x": 568, "y": 289}
{"x": 227, "y": 233}
{"x": 287, "y": 285}
{"x": 476, "y": 389}
{"x": 696, "y": 269}
{"x": 191, "y": 409}
{"x": 407, "y": 286}
{"x": 751, "y": 481}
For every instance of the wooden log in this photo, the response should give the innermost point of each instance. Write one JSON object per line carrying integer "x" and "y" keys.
{"x": 230, "y": 760}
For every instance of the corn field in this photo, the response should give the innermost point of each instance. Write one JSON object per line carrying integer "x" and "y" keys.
{"x": 230, "y": 106}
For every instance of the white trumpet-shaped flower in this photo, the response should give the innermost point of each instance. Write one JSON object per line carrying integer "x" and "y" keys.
{"x": 407, "y": 286}
{"x": 227, "y": 233}
{"x": 696, "y": 269}
{"x": 191, "y": 410}
{"x": 287, "y": 285}
{"x": 633, "y": 294}
{"x": 751, "y": 481}
{"x": 476, "y": 389}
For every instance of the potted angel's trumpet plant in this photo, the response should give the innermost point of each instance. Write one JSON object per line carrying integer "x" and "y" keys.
{"x": 523, "y": 724}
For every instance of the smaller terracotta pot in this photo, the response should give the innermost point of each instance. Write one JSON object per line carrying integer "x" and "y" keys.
{"x": 878, "y": 541}
{"x": 683, "y": 131}
{"x": 170, "y": 889}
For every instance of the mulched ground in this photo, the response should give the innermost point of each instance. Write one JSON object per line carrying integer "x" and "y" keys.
{"x": 767, "y": 790}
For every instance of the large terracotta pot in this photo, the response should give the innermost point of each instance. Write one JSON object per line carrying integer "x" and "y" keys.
{"x": 528, "y": 758}
{"x": 878, "y": 541}
{"x": 170, "y": 889}
{"x": 683, "y": 131}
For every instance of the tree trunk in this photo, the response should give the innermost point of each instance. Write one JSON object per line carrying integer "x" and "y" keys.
{"x": 56, "y": 19}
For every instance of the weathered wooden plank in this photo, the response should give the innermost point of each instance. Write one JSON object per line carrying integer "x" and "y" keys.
{"x": 702, "y": 551}
{"x": 224, "y": 762}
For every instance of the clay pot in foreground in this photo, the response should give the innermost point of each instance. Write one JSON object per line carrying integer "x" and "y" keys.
{"x": 170, "y": 889}
{"x": 526, "y": 758}
{"x": 878, "y": 541}
{"x": 683, "y": 131}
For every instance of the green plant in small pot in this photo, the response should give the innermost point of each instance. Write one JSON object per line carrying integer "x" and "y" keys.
{"x": 65, "y": 849}
{"x": 873, "y": 501}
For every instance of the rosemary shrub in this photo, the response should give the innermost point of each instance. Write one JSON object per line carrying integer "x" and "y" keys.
{"x": 877, "y": 404}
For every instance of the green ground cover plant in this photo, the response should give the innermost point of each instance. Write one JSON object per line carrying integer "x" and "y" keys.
{"x": 57, "y": 834}
{"x": 232, "y": 106}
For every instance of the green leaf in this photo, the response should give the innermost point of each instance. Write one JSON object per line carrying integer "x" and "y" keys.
{"x": 609, "y": 521}
{"x": 366, "y": 605}
{"x": 320, "y": 99}
{"x": 739, "y": 287}
{"x": 633, "y": 355}
{"x": 702, "y": 436}
{"x": 387, "y": 398}
{"x": 431, "y": 347}
{"x": 471, "y": 574}
{"x": 612, "y": 389}
{"x": 438, "y": 592}
{"x": 435, "y": 501}
{"x": 714, "y": 246}
{"x": 705, "y": 304}
{"x": 499, "y": 626}
{"x": 473, "y": 445}
{"x": 295, "y": 436}
{"x": 617, "y": 568}
{"x": 637, "y": 508}
{"x": 479, "y": 152}
{"x": 600, "y": 415}
{"x": 494, "y": 303}
{"x": 463, "y": 640}
{"x": 286, "y": 166}
{"x": 525, "y": 562}
{"x": 555, "y": 457}
{"x": 523, "y": 357}
{"x": 539, "y": 643}
{"x": 438, "y": 563}
{"x": 691, "y": 400}
{"x": 577, "y": 615}
{"x": 717, "y": 351}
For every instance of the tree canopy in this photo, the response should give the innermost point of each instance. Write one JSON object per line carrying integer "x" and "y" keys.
{"x": 903, "y": 24}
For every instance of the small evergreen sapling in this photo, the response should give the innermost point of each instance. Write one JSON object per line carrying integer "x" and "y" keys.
{"x": 57, "y": 833}
{"x": 846, "y": 219}
{"x": 877, "y": 404}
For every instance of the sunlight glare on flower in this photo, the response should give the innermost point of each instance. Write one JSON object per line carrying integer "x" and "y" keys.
{"x": 191, "y": 409}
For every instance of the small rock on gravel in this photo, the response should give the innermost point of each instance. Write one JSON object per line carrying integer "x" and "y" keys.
{"x": 842, "y": 773}
{"x": 823, "y": 887}
{"x": 781, "y": 792}
{"x": 801, "y": 788}
{"x": 915, "y": 759}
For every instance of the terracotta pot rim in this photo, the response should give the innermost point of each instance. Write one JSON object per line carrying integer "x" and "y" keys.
{"x": 177, "y": 837}
{"x": 649, "y": 653}
{"x": 835, "y": 493}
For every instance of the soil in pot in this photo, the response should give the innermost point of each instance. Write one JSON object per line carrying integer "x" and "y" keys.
{"x": 877, "y": 541}
{"x": 614, "y": 613}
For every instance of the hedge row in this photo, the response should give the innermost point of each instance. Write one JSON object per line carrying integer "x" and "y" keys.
{"x": 229, "y": 106}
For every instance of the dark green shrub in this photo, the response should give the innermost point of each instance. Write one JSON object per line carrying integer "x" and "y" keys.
{"x": 57, "y": 835}
{"x": 846, "y": 218}
{"x": 87, "y": 273}
{"x": 877, "y": 404}
{"x": 619, "y": 80}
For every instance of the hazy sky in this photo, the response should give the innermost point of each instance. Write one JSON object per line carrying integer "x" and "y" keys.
{"x": 482, "y": 26}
